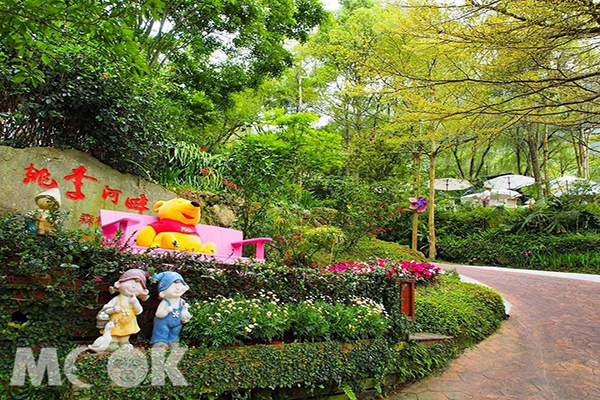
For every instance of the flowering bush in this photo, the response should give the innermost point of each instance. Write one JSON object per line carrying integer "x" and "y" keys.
{"x": 311, "y": 322}
{"x": 362, "y": 319}
{"x": 227, "y": 321}
{"x": 420, "y": 271}
{"x": 359, "y": 319}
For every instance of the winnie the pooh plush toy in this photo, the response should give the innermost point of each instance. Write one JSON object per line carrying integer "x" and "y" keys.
{"x": 176, "y": 228}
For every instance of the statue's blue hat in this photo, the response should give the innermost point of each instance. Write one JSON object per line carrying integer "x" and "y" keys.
{"x": 165, "y": 279}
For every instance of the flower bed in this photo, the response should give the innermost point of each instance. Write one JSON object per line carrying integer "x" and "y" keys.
{"x": 227, "y": 321}
{"x": 422, "y": 272}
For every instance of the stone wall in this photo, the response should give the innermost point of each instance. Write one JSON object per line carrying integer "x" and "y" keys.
{"x": 86, "y": 185}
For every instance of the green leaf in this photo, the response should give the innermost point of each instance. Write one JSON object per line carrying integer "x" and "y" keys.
{"x": 20, "y": 77}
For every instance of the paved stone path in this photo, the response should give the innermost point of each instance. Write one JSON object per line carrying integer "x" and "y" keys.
{"x": 548, "y": 349}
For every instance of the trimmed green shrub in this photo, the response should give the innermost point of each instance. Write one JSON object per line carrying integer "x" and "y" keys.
{"x": 466, "y": 311}
{"x": 307, "y": 368}
{"x": 368, "y": 248}
{"x": 568, "y": 252}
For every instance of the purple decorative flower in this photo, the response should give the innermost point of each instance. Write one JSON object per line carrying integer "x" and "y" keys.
{"x": 418, "y": 204}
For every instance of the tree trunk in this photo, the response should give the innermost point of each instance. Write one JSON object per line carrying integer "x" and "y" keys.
{"x": 299, "y": 92}
{"x": 415, "y": 230}
{"x": 483, "y": 156}
{"x": 432, "y": 201}
{"x": 575, "y": 141}
{"x": 518, "y": 153}
{"x": 546, "y": 158}
{"x": 532, "y": 142}
{"x": 585, "y": 152}
{"x": 457, "y": 160}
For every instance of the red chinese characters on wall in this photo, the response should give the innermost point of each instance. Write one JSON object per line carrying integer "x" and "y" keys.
{"x": 43, "y": 178}
{"x": 137, "y": 204}
{"x": 113, "y": 194}
{"x": 87, "y": 219}
{"x": 40, "y": 176}
{"x": 77, "y": 177}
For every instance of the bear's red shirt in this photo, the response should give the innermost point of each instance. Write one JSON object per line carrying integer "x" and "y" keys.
{"x": 169, "y": 225}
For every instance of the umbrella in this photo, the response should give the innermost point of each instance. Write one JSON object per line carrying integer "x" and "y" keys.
{"x": 501, "y": 194}
{"x": 509, "y": 182}
{"x": 447, "y": 184}
{"x": 573, "y": 185}
{"x": 564, "y": 182}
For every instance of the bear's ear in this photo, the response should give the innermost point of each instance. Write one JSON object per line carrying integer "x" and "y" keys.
{"x": 157, "y": 205}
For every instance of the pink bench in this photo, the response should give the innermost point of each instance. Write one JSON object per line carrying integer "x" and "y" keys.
{"x": 229, "y": 241}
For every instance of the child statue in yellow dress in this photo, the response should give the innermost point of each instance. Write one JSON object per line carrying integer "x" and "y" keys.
{"x": 124, "y": 308}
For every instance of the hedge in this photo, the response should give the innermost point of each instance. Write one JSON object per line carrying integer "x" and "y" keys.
{"x": 369, "y": 248}
{"x": 309, "y": 368}
{"x": 567, "y": 252}
{"x": 466, "y": 311}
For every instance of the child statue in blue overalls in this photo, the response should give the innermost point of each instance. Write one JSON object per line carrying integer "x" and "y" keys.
{"x": 172, "y": 311}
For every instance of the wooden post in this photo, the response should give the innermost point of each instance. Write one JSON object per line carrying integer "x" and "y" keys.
{"x": 415, "y": 229}
{"x": 432, "y": 252}
{"x": 546, "y": 160}
{"x": 408, "y": 298}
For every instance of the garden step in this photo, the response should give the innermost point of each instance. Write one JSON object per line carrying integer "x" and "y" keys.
{"x": 428, "y": 337}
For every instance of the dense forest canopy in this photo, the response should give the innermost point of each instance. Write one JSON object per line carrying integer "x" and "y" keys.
{"x": 296, "y": 110}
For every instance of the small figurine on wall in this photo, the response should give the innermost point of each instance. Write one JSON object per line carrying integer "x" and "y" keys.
{"x": 45, "y": 222}
{"x": 102, "y": 343}
{"x": 124, "y": 308}
{"x": 172, "y": 311}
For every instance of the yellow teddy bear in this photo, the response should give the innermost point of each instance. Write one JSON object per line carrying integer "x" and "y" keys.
{"x": 176, "y": 228}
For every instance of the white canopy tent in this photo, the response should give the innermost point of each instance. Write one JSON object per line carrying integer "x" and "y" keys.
{"x": 497, "y": 197}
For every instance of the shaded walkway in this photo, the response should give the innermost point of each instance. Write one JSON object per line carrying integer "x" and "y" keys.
{"x": 548, "y": 349}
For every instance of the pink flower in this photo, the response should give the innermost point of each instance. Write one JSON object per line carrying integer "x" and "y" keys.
{"x": 97, "y": 279}
{"x": 418, "y": 204}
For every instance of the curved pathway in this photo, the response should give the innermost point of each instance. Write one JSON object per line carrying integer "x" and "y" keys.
{"x": 548, "y": 349}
